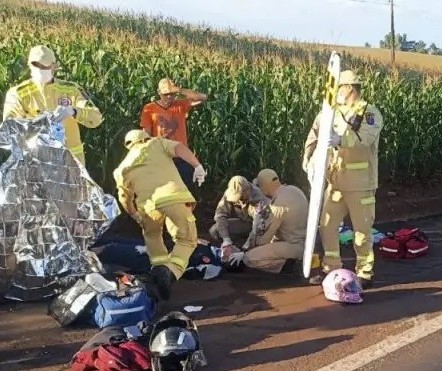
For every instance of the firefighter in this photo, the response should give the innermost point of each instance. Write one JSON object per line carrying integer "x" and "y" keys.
{"x": 151, "y": 190}
{"x": 43, "y": 92}
{"x": 235, "y": 212}
{"x": 352, "y": 176}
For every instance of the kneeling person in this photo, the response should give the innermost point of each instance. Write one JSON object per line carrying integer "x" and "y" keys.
{"x": 235, "y": 212}
{"x": 279, "y": 232}
{"x": 151, "y": 190}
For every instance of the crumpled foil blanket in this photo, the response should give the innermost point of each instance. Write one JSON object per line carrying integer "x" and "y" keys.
{"x": 50, "y": 212}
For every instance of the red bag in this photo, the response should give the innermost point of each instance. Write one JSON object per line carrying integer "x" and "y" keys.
{"x": 404, "y": 243}
{"x": 125, "y": 356}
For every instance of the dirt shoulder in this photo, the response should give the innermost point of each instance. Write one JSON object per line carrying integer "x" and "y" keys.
{"x": 393, "y": 203}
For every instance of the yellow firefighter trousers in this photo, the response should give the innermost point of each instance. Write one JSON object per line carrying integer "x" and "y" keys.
{"x": 270, "y": 256}
{"x": 361, "y": 207}
{"x": 180, "y": 223}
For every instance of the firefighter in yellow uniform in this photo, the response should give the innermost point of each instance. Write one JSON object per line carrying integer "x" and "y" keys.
{"x": 352, "y": 177}
{"x": 151, "y": 190}
{"x": 69, "y": 103}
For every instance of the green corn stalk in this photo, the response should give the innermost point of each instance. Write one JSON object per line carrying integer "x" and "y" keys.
{"x": 263, "y": 95}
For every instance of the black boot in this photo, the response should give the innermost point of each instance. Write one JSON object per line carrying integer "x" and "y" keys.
{"x": 164, "y": 279}
{"x": 292, "y": 267}
{"x": 366, "y": 284}
{"x": 317, "y": 279}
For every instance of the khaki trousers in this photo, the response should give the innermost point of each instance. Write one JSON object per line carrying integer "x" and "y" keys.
{"x": 269, "y": 254}
{"x": 180, "y": 223}
{"x": 361, "y": 207}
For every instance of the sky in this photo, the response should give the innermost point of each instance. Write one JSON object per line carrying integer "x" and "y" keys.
{"x": 341, "y": 22}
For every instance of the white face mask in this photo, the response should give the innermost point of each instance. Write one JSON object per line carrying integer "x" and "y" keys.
{"x": 40, "y": 76}
{"x": 340, "y": 99}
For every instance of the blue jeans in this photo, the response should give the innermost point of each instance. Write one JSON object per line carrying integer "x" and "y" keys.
{"x": 186, "y": 172}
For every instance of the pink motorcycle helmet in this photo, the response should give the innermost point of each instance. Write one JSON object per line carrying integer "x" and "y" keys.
{"x": 343, "y": 286}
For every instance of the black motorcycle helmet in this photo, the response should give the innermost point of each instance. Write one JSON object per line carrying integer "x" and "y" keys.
{"x": 175, "y": 344}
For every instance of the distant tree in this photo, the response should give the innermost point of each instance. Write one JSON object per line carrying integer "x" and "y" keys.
{"x": 367, "y": 45}
{"x": 402, "y": 43}
{"x": 434, "y": 50}
{"x": 400, "y": 40}
{"x": 421, "y": 47}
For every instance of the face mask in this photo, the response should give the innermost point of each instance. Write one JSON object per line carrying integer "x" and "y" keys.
{"x": 41, "y": 76}
{"x": 340, "y": 99}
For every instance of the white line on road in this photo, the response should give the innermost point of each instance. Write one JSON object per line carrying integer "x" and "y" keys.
{"x": 359, "y": 359}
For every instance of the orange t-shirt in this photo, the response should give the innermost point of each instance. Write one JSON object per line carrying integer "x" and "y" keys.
{"x": 168, "y": 122}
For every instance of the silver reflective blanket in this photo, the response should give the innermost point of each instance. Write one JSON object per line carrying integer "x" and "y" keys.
{"x": 50, "y": 211}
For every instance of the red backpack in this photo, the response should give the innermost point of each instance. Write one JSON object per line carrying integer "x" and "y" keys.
{"x": 125, "y": 356}
{"x": 404, "y": 244}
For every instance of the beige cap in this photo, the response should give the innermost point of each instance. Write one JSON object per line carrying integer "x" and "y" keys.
{"x": 166, "y": 86}
{"x": 134, "y": 136}
{"x": 266, "y": 176}
{"x": 349, "y": 78}
{"x": 43, "y": 55}
{"x": 237, "y": 188}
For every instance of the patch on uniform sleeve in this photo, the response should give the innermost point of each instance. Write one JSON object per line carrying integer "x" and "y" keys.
{"x": 369, "y": 117}
{"x": 64, "y": 102}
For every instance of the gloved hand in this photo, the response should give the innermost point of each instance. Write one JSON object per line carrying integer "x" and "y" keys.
{"x": 310, "y": 173}
{"x": 63, "y": 112}
{"x": 335, "y": 140}
{"x": 226, "y": 242}
{"x": 236, "y": 258}
{"x": 199, "y": 174}
{"x": 305, "y": 166}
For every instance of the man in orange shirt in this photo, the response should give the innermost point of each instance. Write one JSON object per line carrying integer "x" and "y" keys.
{"x": 167, "y": 117}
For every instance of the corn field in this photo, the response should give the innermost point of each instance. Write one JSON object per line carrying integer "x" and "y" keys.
{"x": 262, "y": 95}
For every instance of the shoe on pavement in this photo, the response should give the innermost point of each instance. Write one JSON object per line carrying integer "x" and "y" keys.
{"x": 317, "y": 280}
{"x": 292, "y": 267}
{"x": 164, "y": 278}
{"x": 150, "y": 285}
{"x": 366, "y": 284}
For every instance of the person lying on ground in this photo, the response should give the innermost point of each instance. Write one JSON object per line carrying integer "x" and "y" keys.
{"x": 280, "y": 232}
{"x": 151, "y": 190}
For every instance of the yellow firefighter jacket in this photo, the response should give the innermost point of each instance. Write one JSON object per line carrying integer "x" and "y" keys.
{"x": 353, "y": 166}
{"x": 28, "y": 100}
{"x": 149, "y": 179}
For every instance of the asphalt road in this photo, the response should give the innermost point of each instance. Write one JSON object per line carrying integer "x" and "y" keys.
{"x": 255, "y": 321}
{"x": 424, "y": 355}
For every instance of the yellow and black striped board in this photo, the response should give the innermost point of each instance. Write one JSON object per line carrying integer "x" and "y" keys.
{"x": 320, "y": 158}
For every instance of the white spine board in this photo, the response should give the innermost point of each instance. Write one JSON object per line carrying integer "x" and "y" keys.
{"x": 321, "y": 158}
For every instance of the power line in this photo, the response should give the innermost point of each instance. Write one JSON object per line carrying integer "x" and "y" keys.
{"x": 371, "y": 2}
{"x": 392, "y": 5}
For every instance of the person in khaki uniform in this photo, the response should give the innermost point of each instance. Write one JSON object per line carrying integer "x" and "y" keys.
{"x": 281, "y": 247}
{"x": 151, "y": 190}
{"x": 236, "y": 211}
{"x": 43, "y": 92}
{"x": 352, "y": 177}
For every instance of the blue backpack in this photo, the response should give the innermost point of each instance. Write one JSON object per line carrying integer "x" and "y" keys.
{"x": 124, "y": 308}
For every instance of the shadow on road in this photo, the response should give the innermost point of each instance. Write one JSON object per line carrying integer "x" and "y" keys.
{"x": 275, "y": 354}
{"x": 31, "y": 358}
{"x": 379, "y": 307}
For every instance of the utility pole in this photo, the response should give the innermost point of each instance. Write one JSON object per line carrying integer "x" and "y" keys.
{"x": 393, "y": 37}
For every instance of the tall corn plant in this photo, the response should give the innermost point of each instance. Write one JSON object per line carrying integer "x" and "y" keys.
{"x": 262, "y": 95}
